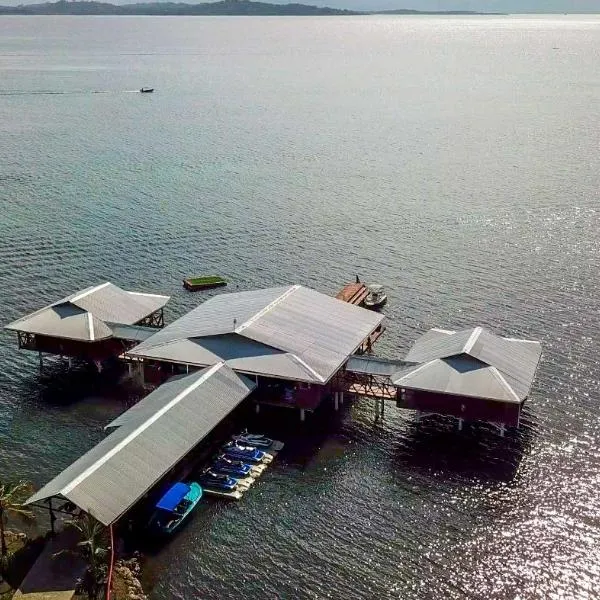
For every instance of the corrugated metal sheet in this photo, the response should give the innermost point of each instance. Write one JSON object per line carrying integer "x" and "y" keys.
{"x": 111, "y": 303}
{"x": 369, "y": 365}
{"x": 132, "y": 333}
{"x": 64, "y": 321}
{"x": 318, "y": 333}
{"x": 215, "y": 316}
{"x": 438, "y": 344}
{"x": 150, "y": 439}
{"x": 516, "y": 360}
{"x": 459, "y": 376}
{"x": 68, "y": 318}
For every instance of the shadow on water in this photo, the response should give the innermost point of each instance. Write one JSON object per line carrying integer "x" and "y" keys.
{"x": 59, "y": 385}
{"x": 478, "y": 452}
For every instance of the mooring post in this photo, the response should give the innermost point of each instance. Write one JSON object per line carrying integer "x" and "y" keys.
{"x": 187, "y": 368}
{"x": 341, "y": 398}
{"x": 70, "y": 360}
{"x": 52, "y": 517}
{"x": 302, "y": 415}
{"x": 335, "y": 401}
{"x": 130, "y": 368}
{"x": 502, "y": 430}
{"x": 460, "y": 424}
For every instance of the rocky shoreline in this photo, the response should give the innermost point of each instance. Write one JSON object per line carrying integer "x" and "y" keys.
{"x": 126, "y": 579}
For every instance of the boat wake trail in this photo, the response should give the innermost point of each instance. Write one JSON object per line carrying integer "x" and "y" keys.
{"x": 62, "y": 93}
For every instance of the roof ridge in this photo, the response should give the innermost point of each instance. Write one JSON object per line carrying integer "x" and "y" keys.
{"x": 92, "y": 290}
{"x": 135, "y": 432}
{"x": 306, "y": 366}
{"x": 477, "y": 331}
{"x": 496, "y": 373}
{"x": 265, "y": 310}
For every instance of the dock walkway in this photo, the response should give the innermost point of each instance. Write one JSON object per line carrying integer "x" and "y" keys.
{"x": 353, "y": 293}
{"x": 53, "y": 577}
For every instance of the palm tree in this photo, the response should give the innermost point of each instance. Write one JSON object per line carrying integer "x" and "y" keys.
{"x": 94, "y": 547}
{"x": 11, "y": 502}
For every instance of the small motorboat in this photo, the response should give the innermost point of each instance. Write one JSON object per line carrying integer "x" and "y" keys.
{"x": 245, "y": 453}
{"x": 173, "y": 508}
{"x": 146, "y": 90}
{"x": 376, "y": 296}
{"x": 253, "y": 439}
{"x": 218, "y": 481}
{"x": 235, "y": 468}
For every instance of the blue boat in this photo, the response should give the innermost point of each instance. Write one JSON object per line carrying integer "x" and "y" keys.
{"x": 235, "y": 468}
{"x": 245, "y": 453}
{"x": 173, "y": 508}
{"x": 217, "y": 481}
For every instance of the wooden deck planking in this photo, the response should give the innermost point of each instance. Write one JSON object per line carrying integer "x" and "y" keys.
{"x": 353, "y": 293}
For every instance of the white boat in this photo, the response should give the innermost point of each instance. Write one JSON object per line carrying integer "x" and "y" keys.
{"x": 376, "y": 296}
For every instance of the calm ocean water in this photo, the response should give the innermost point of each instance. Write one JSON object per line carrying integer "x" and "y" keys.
{"x": 453, "y": 160}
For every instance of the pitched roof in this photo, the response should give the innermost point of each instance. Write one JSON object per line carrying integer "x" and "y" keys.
{"x": 148, "y": 441}
{"x": 472, "y": 362}
{"x": 253, "y": 331}
{"x": 88, "y": 314}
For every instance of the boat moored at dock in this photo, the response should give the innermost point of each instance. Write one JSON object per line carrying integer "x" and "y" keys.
{"x": 246, "y": 453}
{"x": 376, "y": 296}
{"x": 257, "y": 440}
{"x": 175, "y": 506}
{"x": 234, "y": 468}
{"x": 217, "y": 481}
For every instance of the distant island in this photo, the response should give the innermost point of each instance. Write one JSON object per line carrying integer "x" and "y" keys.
{"x": 224, "y": 7}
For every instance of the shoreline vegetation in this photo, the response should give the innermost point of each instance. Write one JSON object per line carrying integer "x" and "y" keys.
{"x": 221, "y": 8}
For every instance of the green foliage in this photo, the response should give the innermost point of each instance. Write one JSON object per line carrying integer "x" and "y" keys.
{"x": 94, "y": 547}
{"x": 12, "y": 497}
{"x": 223, "y": 7}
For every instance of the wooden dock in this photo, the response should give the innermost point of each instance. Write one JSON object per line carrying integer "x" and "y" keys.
{"x": 353, "y": 293}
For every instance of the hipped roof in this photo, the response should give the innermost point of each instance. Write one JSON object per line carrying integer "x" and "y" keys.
{"x": 87, "y": 315}
{"x": 148, "y": 441}
{"x": 289, "y": 332}
{"x": 473, "y": 362}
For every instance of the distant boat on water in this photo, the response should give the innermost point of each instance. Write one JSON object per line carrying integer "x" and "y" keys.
{"x": 146, "y": 90}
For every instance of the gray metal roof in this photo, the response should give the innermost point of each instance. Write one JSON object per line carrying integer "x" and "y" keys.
{"x": 149, "y": 440}
{"x": 473, "y": 362}
{"x": 131, "y": 333}
{"x": 250, "y": 330}
{"x": 372, "y": 365}
{"x": 84, "y": 316}
{"x": 461, "y": 376}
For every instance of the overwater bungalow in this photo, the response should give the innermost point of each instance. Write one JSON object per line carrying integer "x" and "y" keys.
{"x": 93, "y": 324}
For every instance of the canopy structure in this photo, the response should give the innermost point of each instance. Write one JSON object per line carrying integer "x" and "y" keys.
{"x": 470, "y": 374}
{"x": 292, "y": 333}
{"x": 88, "y": 315}
{"x": 173, "y": 496}
{"x": 149, "y": 440}
{"x": 473, "y": 362}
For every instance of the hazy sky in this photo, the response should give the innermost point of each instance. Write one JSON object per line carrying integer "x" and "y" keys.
{"x": 476, "y": 5}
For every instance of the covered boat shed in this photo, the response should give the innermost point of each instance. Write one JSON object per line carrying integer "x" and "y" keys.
{"x": 147, "y": 442}
{"x": 471, "y": 374}
{"x": 284, "y": 334}
{"x": 92, "y": 324}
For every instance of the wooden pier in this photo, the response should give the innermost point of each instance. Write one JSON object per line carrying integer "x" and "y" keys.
{"x": 353, "y": 293}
